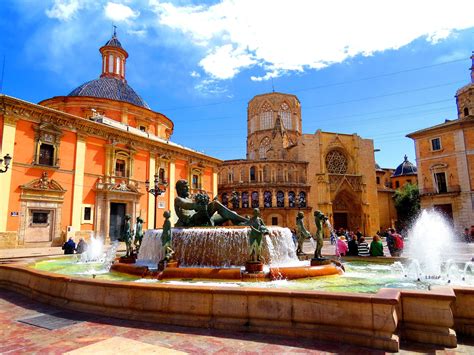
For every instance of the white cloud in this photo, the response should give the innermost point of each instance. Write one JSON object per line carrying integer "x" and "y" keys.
{"x": 288, "y": 35}
{"x": 119, "y": 12}
{"x": 64, "y": 9}
{"x": 195, "y": 74}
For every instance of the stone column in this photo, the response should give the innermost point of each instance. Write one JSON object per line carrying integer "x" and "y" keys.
{"x": 151, "y": 198}
{"x": 7, "y": 147}
{"x": 172, "y": 191}
{"x": 78, "y": 188}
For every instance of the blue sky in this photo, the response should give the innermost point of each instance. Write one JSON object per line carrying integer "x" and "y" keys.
{"x": 380, "y": 68}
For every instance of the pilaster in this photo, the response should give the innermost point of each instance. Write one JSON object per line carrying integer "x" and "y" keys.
{"x": 151, "y": 198}
{"x": 7, "y": 147}
{"x": 172, "y": 191}
{"x": 78, "y": 188}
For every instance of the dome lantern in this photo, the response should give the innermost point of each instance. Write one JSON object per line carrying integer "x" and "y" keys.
{"x": 113, "y": 58}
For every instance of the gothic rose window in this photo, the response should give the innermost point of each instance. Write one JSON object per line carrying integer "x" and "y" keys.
{"x": 336, "y": 162}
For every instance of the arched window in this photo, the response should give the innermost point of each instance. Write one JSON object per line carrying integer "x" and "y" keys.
{"x": 117, "y": 65}
{"x": 291, "y": 199}
{"x": 466, "y": 111}
{"x": 245, "y": 199}
{"x": 267, "y": 199}
{"x": 264, "y": 146}
{"x": 111, "y": 63}
{"x": 254, "y": 197}
{"x": 302, "y": 199}
{"x": 46, "y": 154}
{"x": 280, "y": 199}
{"x": 336, "y": 162}
{"x": 230, "y": 175}
{"x": 285, "y": 115}
{"x": 235, "y": 200}
{"x": 252, "y": 173}
{"x": 224, "y": 199}
{"x": 266, "y": 116}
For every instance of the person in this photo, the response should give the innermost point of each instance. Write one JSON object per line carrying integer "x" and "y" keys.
{"x": 81, "y": 246}
{"x": 138, "y": 233}
{"x": 301, "y": 232}
{"x": 363, "y": 247}
{"x": 257, "y": 231}
{"x": 466, "y": 237}
{"x": 201, "y": 212}
{"x": 69, "y": 246}
{"x": 397, "y": 243}
{"x": 319, "y": 219}
{"x": 390, "y": 241}
{"x": 376, "y": 247}
{"x": 353, "y": 248}
{"x": 341, "y": 246}
{"x": 358, "y": 234}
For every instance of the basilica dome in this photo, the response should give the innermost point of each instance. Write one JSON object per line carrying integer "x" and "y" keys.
{"x": 405, "y": 168}
{"x": 109, "y": 88}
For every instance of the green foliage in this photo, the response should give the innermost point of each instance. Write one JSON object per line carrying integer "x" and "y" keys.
{"x": 407, "y": 203}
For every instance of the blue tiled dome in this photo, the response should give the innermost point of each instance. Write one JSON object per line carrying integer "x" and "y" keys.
{"x": 405, "y": 168}
{"x": 109, "y": 88}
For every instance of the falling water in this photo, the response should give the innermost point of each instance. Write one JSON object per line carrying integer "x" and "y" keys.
{"x": 218, "y": 246}
{"x": 428, "y": 241}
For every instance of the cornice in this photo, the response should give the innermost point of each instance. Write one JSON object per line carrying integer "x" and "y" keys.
{"x": 16, "y": 109}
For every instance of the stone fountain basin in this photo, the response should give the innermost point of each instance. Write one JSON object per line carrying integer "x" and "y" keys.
{"x": 376, "y": 321}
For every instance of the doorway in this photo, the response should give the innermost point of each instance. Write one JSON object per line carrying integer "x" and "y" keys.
{"x": 340, "y": 220}
{"x": 117, "y": 218}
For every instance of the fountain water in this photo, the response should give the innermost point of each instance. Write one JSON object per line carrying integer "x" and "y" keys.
{"x": 218, "y": 246}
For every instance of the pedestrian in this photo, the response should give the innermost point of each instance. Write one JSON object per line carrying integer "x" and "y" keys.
{"x": 376, "y": 247}
{"x": 353, "y": 247}
{"x": 69, "y": 246}
{"x": 363, "y": 247}
{"x": 390, "y": 241}
{"x": 397, "y": 244}
{"x": 81, "y": 246}
{"x": 341, "y": 246}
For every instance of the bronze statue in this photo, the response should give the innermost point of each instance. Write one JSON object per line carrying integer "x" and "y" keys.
{"x": 319, "y": 220}
{"x": 166, "y": 238}
{"x": 199, "y": 211}
{"x": 257, "y": 231}
{"x": 301, "y": 232}
{"x": 138, "y": 234}
{"x": 126, "y": 235}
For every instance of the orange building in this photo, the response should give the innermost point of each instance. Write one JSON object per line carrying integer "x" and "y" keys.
{"x": 80, "y": 162}
{"x": 445, "y": 160}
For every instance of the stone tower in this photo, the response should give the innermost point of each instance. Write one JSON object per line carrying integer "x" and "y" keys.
{"x": 273, "y": 126}
{"x": 465, "y": 96}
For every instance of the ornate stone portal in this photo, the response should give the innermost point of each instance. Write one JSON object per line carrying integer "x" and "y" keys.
{"x": 41, "y": 211}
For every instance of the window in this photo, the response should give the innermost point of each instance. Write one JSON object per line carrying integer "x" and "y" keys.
{"x": 162, "y": 175}
{"x": 40, "y": 217}
{"x": 440, "y": 179}
{"x": 46, "y": 154}
{"x": 291, "y": 199}
{"x": 120, "y": 167}
{"x": 195, "y": 182}
{"x": 264, "y": 147}
{"x": 302, "y": 199}
{"x": 267, "y": 199}
{"x": 397, "y": 184}
{"x": 117, "y": 65}
{"x": 111, "y": 63}
{"x": 142, "y": 128}
{"x": 274, "y": 221}
{"x": 254, "y": 197}
{"x": 466, "y": 112}
{"x": 285, "y": 116}
{"x": 266, "y": 120}
{"x": 235, "y": 200}
{"x": 378, "y": 180}
{"x": 245, "y": 200}
{"x": 280, "y": 199}
{"x": 436, "y": 144}
{"x": 336, "y": 162}
{"x": 252, "y": 173}
{"x": 87, "y": 214}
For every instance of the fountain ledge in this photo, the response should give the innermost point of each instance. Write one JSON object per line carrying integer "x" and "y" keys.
{"x": 366, "y": 320}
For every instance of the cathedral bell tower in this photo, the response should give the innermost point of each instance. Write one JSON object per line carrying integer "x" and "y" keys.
{"x": 465, "y": 96}
{"x": 113, "y": 58}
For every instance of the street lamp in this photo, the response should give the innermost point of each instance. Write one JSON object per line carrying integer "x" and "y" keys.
{"x": 158, "y": 189}
{"x": 6, "y": 160}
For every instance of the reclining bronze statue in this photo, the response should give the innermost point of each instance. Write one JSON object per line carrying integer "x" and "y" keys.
{"x": 200, "y": 212}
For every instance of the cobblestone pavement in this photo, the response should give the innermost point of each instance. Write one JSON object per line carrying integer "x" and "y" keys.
{"x": 95, "y": 334}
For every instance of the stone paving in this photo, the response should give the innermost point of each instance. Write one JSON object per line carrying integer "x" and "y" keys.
{"x": 95, "y": 334}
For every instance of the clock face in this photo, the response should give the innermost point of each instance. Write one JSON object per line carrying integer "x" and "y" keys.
{"x": 48, "y": 138}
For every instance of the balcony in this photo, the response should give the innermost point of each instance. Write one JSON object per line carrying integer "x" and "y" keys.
{"x": 452, "y": 189}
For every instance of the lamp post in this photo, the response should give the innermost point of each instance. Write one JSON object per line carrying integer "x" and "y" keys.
{"x": 158, "y": 189}
{"x": 6, "y": 161}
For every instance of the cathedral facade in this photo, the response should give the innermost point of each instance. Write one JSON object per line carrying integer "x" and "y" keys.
{"x": 287, "y": 171}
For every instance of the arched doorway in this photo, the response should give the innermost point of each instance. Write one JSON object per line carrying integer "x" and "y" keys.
{"x": 347, "y": 211}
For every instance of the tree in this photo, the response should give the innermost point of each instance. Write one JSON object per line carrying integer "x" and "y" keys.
{"x": 407, "y": 204}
